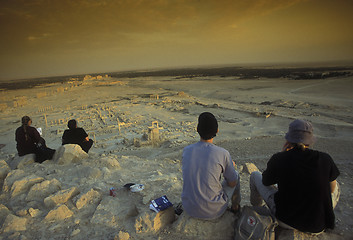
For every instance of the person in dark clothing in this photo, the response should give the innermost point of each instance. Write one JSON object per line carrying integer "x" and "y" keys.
{"x": 75, "y": 135}
{"x": 29, "y": 141}
{"x": 307, "y": 190}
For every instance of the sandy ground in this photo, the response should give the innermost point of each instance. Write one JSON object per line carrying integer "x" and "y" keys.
{"x": 117, "y": 113}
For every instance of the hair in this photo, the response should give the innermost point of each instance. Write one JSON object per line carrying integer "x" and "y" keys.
{"x": 207, "y": 126}
{"x": 300, "y": 146}
{"x": 25, "y": 120}
{"x": 72, "y": 124}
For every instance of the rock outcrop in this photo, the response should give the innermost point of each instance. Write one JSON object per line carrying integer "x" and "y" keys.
{"x": 43, "y": 189}
{"x": 22, "y": 162}
{"x": 60, "y": 213}
{"x": 69, "y": 153}
{"x": 13, "y": 224}
{"x": 221, "y": 228}
{"x": 90, "y": 198}
{"x": 60, "y": 197}
{"x": 24, "y": 184}
{"x": 250, "y": 167}
{"x": 150, "y": 222}
{"x": 4, "y": 170}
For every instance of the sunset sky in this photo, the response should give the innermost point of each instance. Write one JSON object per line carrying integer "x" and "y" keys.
{"x": 61, "y": 37}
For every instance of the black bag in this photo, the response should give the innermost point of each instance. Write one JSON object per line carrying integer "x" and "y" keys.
{"x": 255, "y": 223}
{"x": 43, "y": 152}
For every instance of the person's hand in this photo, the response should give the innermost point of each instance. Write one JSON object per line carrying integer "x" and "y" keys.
{"x": 86, "y": 139}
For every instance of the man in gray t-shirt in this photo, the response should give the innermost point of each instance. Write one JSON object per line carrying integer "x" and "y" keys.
{"x": 204, "y": 195}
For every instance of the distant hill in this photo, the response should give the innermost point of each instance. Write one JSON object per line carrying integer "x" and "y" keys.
{"x": 241, "y": 72}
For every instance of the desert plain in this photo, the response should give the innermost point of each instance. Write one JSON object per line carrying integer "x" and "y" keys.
{"x": 140, "y": 123}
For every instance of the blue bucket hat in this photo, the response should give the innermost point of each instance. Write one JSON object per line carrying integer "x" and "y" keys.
{"x": 300, "y": 131}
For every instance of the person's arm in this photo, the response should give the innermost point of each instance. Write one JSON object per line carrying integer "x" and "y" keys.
{"x": 35, "y": 135}
{"x": 84, "y": 135}
{"x": 233, "y": 183}
{"x": 17, "y": 135}
{"x": 269, "y": 175}
{"x": 333, "y": 185}
{"x": 64, "y": 139}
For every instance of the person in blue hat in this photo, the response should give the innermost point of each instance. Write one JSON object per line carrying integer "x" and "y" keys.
{"x": 306, "y": 191}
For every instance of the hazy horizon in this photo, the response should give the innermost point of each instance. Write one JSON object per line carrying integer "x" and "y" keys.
{"x": 58, "y": 38}
{"x": 185, "y": 70}
{"x": 348, "y": 64}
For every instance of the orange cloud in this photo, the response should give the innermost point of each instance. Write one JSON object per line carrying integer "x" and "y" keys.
{"x": 126, "y": 16}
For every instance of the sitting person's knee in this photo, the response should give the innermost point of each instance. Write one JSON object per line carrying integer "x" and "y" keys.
{"x": 255, "y": 175}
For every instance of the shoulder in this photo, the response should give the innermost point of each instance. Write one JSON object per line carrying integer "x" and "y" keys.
{"x": 279, "y": 155}
{"x": 277, "y": 160}
{"x": 220, "y": 150}
{"x": 32, "y": 129}
{"x": 80, "y": 130}
{"x": 189, "y": 147}
{"x": 19, "y": 131}
{"x": 324, "y": 157}
{"x": 319, "y": 154}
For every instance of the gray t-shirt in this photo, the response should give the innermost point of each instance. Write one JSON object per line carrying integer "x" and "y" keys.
{"x": 202, "y": 165}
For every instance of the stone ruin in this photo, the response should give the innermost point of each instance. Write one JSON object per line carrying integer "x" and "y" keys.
{"x": 153, "y": 133}
{"x": 3, "y": 107}
{"x": 41, "y": 94}
{"x": 154, "y": 96}
{"x": 20, "y": 102}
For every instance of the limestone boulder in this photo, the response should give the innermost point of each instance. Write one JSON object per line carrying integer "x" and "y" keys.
{"x": 75, "y": 232}
{"x": 22, "y": 212}
{"x": 90, "y": 198}
{"x": 220, "y": 228}
{"x": 69, "y": 153}
{"x": 286, "y": 234}
{"x": 14, "y": 224}
{"x": 150, "y": 222}
{"x": 11, "y": 178}
{"x": 24, "y": 184}
{"x": 89, "y": 172}
{"x": 4, "y": 169}
{"x": 4, "y": 211}
{"x": 27, "y": 160}
{"x": 250, "y": 167}
{"x": 106, "y": 172}
{"x": 107, "y": 212}
{"x": 60, "y": 213}
{"x": 110, "y": 163}
{"x": 123, "y": 235}
{"x": 60, "y": 197}
{"x": 34, "y": 212}
{"x": 40, "y": 191}
{"x": 111, "y": 212}
{"x": 22, "y": 162}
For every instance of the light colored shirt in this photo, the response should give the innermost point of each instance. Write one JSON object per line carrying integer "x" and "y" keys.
{"x": 203, "y": 164}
